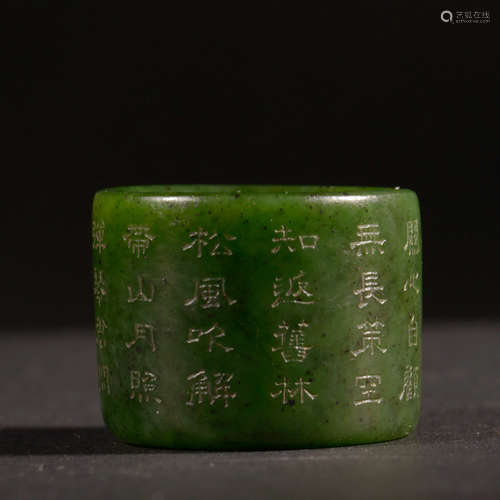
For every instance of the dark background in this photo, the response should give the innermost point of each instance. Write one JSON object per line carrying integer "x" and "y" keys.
{"x": 379, "y": 95}
{"x": 382, "y": 94}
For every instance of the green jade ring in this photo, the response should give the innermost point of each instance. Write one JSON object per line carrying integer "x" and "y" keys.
{"x": 257, "y": 317}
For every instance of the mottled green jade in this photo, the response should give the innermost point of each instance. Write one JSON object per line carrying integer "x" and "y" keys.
{"x": 254, "y": 317}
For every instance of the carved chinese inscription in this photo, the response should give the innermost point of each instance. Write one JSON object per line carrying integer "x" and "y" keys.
{"x": 203, "y": 388}
{"x": 100, "y": 327}
{"x": 368, "y": 388}
{"x": 138, "y": 239}
{"x": 210, "y": 293}
{"x": 369, "y": 241}
{"x": 142, "y": 386}
{"x": 98, "y": 236}
{"x": 410, "y": 383}
{"x": 371, "y": 339}
{"x": 284, "y": 238}
{"x": 292, "y": 342}
{"x": 290, "y": 392}
{"x": 104, "y": 379}
{"x": 201, "y": 238}
{"x": 293, "y": 290}
{"x": 411, "y": 282}
{"x": 139, "y": 294}
{"x": 211, "y": 335}
{"x": 370, "y": 289}
{"x": 412, "y": 236}
{"x": 412, "y": 331}
{"x": 99, "y": 290}
{"x": 143, "y": 332}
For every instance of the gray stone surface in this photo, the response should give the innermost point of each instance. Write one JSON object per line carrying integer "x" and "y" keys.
{"x": 53, "y": 443}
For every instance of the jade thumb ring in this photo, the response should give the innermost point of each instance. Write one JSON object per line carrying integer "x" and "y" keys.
{"x": 257, "y": 317}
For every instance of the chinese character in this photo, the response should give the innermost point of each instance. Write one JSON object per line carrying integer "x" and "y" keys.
{"x": 411, "y": 245}
{"x": 287, "y": 394}
{"x": 212, "y": 334}
{"x": 411, "y": 283}
{"x": 142, "y": 384}
{"x": 210, "y": 291}
{"x": 368, "y": 386}
{"x": 284, "y": 392}
{"x": 284, "y": 238}
{"x": 301, "y": 390}
{"x": 222, "y": 388}
{"x": 306, "y": 241}
{"x": 100, "y": 326}
{"x": 199, "y": 241}
{"x": 99, "y": 290}
{"x": 104, "y": 382}
{"x": 485, "y": 15}
{"x": 140, "y": 296}
{"x": 410, "y": 384}
{"x": 138, "y": 239}
{"x": 292, "y": 343}
{"x": 201, "y": 388}
{"x": 98, "y": 236}
{"x": 144, "y": 332}
{"x": 309, "y": 241}
{"x": 296, "y": 293}
{"x": 412, "y": 331}
{"x": 368, "y": 235}
{"x": 371, "y": 338}
{"x": 369, "y": 285}
{"x": 219, "y": 248}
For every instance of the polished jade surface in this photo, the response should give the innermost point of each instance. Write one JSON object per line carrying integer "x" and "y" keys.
{"x": 258, "y": 317}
